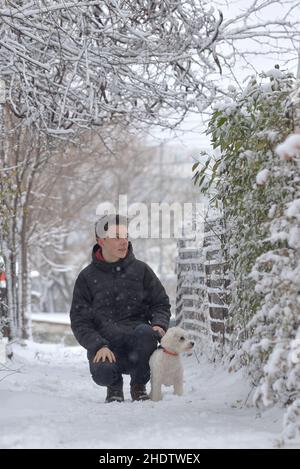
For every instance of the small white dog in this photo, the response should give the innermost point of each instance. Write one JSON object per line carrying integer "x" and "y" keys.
{"x": 165, "y": 362}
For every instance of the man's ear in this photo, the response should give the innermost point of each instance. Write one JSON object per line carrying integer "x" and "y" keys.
{"x": 100, "y": 241}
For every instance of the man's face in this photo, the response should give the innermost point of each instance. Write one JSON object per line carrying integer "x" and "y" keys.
{"x": 115, "y": 245}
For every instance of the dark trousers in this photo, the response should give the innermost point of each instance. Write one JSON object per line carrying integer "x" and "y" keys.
{"x": 132, "y": 357}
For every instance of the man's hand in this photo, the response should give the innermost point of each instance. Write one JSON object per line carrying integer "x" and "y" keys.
{"x": 104, "y": 354}
{"x": 159, "y": 330}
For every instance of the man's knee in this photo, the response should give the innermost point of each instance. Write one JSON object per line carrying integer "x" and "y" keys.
{"x": 145, "y": 330}
{"x": 146, "y": 338}
{"x": 104, "y": 374}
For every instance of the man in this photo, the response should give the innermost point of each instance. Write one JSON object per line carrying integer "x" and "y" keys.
{"x": 119, "y": 311}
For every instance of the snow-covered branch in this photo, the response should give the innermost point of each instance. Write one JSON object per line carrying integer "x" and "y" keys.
{"x": 91, "y": 62}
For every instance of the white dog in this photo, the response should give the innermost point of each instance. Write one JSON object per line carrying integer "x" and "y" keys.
{"x": 165, "y": 362}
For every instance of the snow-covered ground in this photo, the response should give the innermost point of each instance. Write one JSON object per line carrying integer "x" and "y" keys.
{"x": 50, "y": 401}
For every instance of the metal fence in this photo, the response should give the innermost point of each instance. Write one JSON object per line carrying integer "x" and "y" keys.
{"x": 201, "y": 297}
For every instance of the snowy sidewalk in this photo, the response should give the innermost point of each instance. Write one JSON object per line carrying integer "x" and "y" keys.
{"x": 53, "y": 403}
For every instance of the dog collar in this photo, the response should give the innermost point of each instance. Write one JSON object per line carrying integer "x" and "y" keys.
{"x": 168, "y": 352}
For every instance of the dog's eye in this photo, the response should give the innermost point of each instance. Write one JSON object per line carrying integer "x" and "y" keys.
{"x": 182, "y": 338}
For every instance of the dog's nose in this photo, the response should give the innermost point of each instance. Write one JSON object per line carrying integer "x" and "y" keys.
{"x": 192, "y": 344}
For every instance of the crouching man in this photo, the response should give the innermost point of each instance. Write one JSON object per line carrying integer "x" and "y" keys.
{"x": 119, "y": 311}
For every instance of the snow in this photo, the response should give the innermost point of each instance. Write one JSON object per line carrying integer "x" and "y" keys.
{"x": 34, "y": 274}
{"x": 293, "y": 209}
{"x": 51, "y": 402}
{"x": 262, "y": 177}
{"x": 290, "y": 148}
{"x": 272, "y": 211}
{"x": 231, "y": 88}
{"x": 3, "y": 345}
{"x": 294, "y": 237}
{"x": 274, "y": 73}
{"x": 57, "y": 318}
{"x": 271, "y": 135}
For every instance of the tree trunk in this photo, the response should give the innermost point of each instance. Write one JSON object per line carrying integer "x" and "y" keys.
{"x": 24, "y": 281}
{"x": 11, "y": 298}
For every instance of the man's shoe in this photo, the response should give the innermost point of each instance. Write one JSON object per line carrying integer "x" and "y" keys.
{"x": 114, "y": 394}
{"x": 138, "y": 392}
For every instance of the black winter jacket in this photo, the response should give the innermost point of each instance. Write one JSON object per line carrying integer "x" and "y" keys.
{"x": 111, "y": 299}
